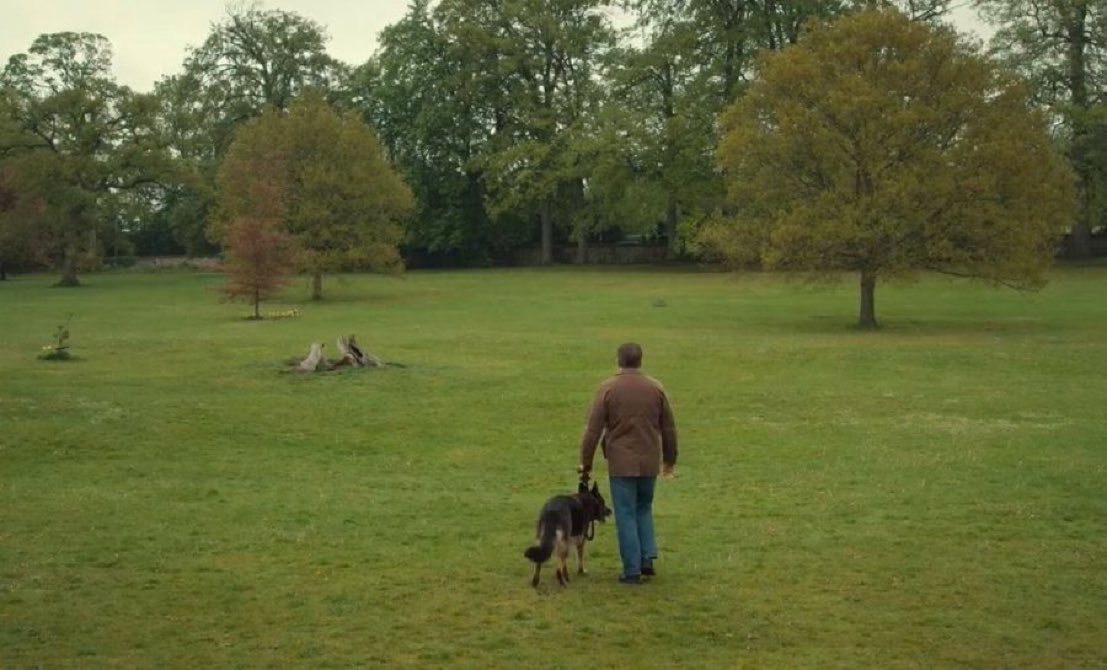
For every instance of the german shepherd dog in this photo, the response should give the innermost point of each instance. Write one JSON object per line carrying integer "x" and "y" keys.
{"x": 563, "y": 522}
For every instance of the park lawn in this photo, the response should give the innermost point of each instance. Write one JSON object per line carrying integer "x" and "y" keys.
{"x": 929, "y": 495}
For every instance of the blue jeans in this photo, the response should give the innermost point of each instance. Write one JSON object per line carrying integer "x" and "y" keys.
{"x": 632, "y": 498}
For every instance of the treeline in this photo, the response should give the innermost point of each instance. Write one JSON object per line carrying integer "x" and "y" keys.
{"x": 515, "y": 123}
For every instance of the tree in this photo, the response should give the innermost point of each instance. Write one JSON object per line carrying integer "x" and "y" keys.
{"x": 536, "y": 62}
{"x": 251, "y": 61}
{"x": 1061, "y": 47}
{"x": 884, "y": 147}
{"x": 262, "y": 59}
{"x": 726, "y": 35}
{"x": 20, "y": 216}
{"x": 11, "y": 232}
{"x": 11, "y": 236}
{"x": 916, "y": 10}
{"x": 198, "y": 130}
{"x": 696, "y": 59}
{"x": 259, "y": 253}
{"x": 662, "y": 93}
{"x": 340, "y": 198}
{"x": 79, "y": 138}
{"x": 432, "y": 108}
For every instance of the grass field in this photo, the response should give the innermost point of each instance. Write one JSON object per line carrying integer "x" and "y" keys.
{"x": 930, "y": 495}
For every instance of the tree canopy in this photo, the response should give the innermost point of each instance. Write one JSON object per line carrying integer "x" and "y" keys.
{"x": 74, "y": 139}
{"x": 341, "y": 200}
{"x": 251, "y": 61}
{"x": 1060, "y": 48}
{"x": 517, "y": 123}
{"x": 259, "y": 253}
{"x": 882, "y": 146}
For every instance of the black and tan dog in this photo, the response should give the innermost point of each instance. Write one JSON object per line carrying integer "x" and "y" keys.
{"x": 563, "y": 522}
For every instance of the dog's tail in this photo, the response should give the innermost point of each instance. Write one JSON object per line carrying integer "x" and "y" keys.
{"x": 547, "y": 534}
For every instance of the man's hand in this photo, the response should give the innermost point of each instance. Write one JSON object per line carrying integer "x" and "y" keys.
{"x": 668, "y": 471}
{"x": 583, "y": 472}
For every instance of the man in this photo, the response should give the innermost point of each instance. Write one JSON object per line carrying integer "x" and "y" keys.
{"x": 632, "y": 414}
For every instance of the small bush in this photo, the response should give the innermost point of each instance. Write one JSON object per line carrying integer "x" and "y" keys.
{"x": 58, "y": 349}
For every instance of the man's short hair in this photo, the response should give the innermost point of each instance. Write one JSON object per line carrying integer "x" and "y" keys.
{"x": 630, "y": 355}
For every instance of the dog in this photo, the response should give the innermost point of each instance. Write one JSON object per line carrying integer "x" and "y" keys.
{"x": 563, "y": 522}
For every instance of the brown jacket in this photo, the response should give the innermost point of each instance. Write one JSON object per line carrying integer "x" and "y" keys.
{"x": 633, "y": 415}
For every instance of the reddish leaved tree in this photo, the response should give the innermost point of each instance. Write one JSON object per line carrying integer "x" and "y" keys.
{"x": 7, "y": 202}
{"x": 22, "y": 241}
{"x": 259, "y": 253}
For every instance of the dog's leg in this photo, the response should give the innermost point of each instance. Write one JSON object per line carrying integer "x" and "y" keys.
{"x": 562, "y": 564}
{"x": 580, "y": 557}
{"x": 561, "y": 550}
{"x": 534, "y": 579}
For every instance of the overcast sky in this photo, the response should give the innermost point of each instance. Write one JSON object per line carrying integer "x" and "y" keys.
{"x": 149, "y": 37}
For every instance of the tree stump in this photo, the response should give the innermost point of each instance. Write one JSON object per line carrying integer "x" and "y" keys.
{"x": 314, "y": 360}
{"x": 353, "y": 354}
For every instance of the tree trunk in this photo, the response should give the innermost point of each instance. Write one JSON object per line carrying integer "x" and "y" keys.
{"x": 547, "y": 234}
{"x": 672, "y": 215}
{"x": 69, "y": 267}
{"x": 1080, "y": 237}
{"x": 668, "y": 113}
{"x": 575, "y": 195}
{"x": 317, "y": 286}
{"x": 353, "y": 354}
{"x": 1076, "y": 29}
{"x": 72, "y": 249}
{"x": 867, "y": 318}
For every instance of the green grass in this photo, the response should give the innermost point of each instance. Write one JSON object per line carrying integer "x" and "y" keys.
{"x": 931, "y": 495}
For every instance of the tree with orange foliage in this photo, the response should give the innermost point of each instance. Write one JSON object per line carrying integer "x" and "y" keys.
{"x": 259, "y": 256}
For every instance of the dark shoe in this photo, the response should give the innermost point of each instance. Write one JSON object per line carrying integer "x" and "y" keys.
{"x": 630, "y": 579}
{"x": 647, "y": 569}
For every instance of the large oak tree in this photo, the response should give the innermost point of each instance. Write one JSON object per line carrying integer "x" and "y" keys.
{"x": 73, "y": 139}
{"x": 882, "y": 146}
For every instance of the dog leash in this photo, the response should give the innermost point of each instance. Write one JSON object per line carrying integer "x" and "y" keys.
{"x": 591, "y": 532}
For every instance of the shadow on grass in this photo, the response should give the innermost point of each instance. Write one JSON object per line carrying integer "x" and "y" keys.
{"x": 1098, "y": 263}
{"x": 367, "y": 297}
{"x": 290, "y": 367}
{"x": 837, "y": 324}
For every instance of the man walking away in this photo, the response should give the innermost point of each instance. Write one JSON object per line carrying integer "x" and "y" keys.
{"x": 632, "y": 414}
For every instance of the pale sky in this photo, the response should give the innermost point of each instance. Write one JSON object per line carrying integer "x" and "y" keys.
{"x": 149, "y": 37}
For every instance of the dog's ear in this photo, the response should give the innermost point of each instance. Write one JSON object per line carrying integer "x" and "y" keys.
{"x": 582, "y": 488}
{"x": 595, "y": 488}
